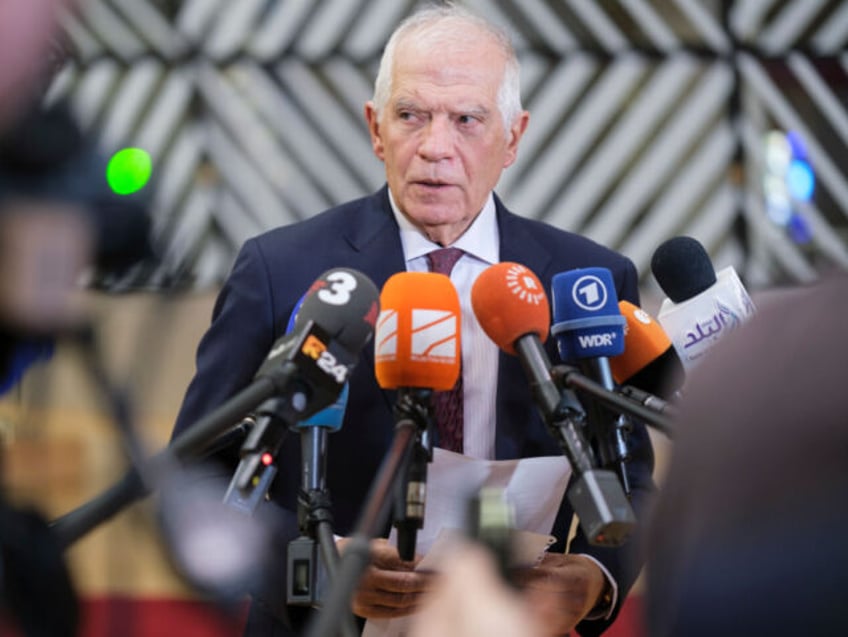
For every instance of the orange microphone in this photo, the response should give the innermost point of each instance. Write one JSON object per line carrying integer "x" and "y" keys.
{"x": 416, "y": 350}
{"x": 512, "y": 308}
{"x": 417, "y": 339}
{"x": 510, "y": 302}
{"x": 649, "y": 361}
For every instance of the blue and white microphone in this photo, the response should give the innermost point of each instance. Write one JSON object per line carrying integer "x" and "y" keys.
{"x": 587, "y": 322}
{"x": 589, "y": 328}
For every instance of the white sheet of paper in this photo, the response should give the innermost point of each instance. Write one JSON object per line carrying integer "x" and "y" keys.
{"x": 534, "y": 487}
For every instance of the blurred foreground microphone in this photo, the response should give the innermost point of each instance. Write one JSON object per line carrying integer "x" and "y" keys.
{"x": 649, "y": 368}
{"x": 589, "y": 328}
{"x": 701, "y": 306}
{"x": 512, "y": 308}
{"x": 58, "y": 222}
{"x": 417, "y": 351}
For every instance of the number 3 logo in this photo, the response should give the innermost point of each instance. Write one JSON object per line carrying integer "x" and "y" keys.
{"x": 341, "y": 284}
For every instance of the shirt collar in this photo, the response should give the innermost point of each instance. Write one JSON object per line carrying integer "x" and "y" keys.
{"x": 480, "y": 240}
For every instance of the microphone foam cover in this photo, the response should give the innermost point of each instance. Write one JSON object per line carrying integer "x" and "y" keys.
{"x": 587, "y": 321}
{"x": 344, "y": 303}
{"x": 682, "y": 268}
{"x": 510, "y": 302}
{"x": 644, "y": 341}
{"x": 417, "y": 343}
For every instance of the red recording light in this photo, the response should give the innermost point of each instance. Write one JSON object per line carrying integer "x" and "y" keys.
{"x": 267, "y": 459}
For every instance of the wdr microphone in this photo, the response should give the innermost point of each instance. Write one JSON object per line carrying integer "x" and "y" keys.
{"x": 417, "y": 350}
{"x": 701, "y": 306}
{"x": 589, "y": 328}
{"x": 587, "y": 322}
{"x": 512, "y": 308}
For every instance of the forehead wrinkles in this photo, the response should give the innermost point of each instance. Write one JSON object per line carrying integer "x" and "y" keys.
{"x": 474, "y": 62}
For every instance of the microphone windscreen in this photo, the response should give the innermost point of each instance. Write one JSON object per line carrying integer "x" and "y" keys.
{"x": 510, "y": 302}
{"x": 644, "y": 341}
{"x": 649, "y": 361}
{"x": 682, "y": 268}
{"x": 417, "y": 342}
{"x": 344, "y": 303}
{"x": 587, "y": 322}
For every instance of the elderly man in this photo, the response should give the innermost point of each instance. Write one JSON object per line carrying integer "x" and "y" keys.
{"x": 446, "y": 120}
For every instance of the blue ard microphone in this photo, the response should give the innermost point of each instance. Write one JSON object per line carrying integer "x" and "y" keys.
{"x": 587, "y": 321}
{"x": 589, "y": 328}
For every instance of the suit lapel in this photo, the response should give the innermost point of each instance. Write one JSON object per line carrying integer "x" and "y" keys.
{"x": 373, "y": 236}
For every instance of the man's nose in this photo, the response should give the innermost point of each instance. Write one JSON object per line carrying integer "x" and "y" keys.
{"x": 437, "y": 141}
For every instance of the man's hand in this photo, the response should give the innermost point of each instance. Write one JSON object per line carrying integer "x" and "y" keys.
{"x": 561, "y": 590}
{"x": 390, "y": 587}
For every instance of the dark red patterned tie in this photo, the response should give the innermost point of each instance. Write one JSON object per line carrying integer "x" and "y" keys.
{"x": 448, "y": 404}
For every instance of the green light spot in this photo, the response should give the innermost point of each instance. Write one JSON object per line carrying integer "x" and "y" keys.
{"x": 128, "y": 170}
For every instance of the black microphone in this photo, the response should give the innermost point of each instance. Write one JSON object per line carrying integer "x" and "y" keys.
{"x": 512, "y": 308}
{"x": 702, "y": 305}
{"x": 265, "y": 432}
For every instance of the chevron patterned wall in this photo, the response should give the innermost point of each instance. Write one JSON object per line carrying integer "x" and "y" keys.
{"x": 647, "y": 118}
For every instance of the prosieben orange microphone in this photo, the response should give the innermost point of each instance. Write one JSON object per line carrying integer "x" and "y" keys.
{"x": 417, "y": 341}
{"x": 649, "y": 361}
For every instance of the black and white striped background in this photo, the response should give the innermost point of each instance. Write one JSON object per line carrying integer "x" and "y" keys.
{"x": 647, "y": 117}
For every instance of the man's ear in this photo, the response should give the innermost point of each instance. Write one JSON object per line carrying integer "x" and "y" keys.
{"x": 373, "y": 120}
{"x": 514, "y": 134}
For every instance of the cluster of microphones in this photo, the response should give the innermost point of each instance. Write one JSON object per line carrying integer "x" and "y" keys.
{"x": 616, "y": 364}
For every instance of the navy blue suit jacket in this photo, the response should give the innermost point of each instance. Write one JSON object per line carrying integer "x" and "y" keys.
{"x": 272, "y": 272}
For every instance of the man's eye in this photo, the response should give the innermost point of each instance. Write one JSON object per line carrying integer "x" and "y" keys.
{"x": 467, "y": 119}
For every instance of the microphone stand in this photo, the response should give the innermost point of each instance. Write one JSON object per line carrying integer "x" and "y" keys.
{"x": 596, "y": 495}
{"x": 610, "y": 429}
{"x": 409, "y": 432}
{"x": 568, "y": 376}
{"x": 311, "y": 567}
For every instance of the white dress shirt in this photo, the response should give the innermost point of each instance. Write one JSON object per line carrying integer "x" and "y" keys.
{"x": 481, "y": 244}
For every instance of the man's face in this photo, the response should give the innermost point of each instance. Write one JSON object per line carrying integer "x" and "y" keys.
{"x": 441, "y": 134}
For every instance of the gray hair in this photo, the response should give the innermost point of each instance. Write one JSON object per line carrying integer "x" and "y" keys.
{"x": 436, "y": 22}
